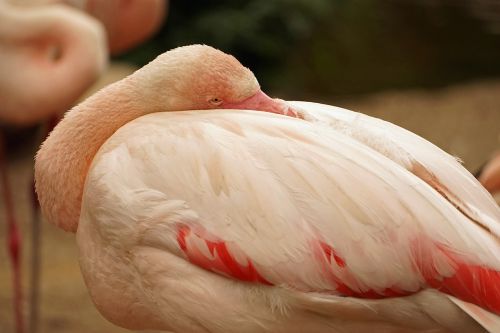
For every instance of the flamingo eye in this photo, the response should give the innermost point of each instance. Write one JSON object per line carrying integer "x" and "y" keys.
{"x": 215, "y": 101}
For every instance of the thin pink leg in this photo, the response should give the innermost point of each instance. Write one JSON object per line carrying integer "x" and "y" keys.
{"x": 35, "y": 261}
{"x": 36, "y": 242}
{"x": 14, "y": 240}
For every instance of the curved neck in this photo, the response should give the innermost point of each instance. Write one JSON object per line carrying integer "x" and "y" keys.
{"x": 63, "y": 161}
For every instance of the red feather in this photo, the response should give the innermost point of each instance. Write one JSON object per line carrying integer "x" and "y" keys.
{"x": 471, "y": 283}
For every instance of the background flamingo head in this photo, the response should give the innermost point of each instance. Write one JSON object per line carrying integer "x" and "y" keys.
{"x": 49, "y": 55}
{"x": 127, "y": 22}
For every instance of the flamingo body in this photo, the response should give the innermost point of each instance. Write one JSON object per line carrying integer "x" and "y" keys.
{"x": 304, "y": 218}
{"x": 270, "y": 199}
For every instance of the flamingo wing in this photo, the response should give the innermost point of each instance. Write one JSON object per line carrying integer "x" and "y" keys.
{"x": 440, "y": 170}
{"x": 270, "y": 199}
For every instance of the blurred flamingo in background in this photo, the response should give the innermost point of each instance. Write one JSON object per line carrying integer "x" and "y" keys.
{"x": 127, "y": 22}
{"x": 490, "y": 176}
{"x": 301, "y": 218}
{"x": 48, "y": 57}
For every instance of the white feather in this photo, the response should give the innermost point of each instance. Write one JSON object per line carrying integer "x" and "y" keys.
{"x": 271, "y": 189}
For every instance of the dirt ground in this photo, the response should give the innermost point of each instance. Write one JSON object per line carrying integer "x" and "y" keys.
{"x": 462, "y": 119}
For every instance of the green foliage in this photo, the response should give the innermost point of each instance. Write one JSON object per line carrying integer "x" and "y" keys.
{"x": 304, "y": 47}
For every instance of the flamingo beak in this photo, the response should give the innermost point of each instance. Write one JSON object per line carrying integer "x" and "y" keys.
{"x": 261, "y": 102}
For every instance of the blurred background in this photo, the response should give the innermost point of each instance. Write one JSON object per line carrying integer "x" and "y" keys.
{"x": 431, "y": 66}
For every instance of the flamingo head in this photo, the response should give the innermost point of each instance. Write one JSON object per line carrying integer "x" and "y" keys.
{"x": 199, "y": 77}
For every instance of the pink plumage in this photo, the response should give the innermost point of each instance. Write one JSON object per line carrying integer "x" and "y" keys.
{"x": 301, "y": 218}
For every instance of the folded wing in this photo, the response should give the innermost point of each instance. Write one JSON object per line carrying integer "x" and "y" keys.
{"x": 269, "y": 199}
{"x": 428, "y": 162}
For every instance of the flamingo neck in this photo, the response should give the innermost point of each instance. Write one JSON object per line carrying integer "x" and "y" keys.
{"x": 64, "y": 159}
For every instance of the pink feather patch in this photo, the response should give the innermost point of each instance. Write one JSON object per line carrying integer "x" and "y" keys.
{"x": 325, "y": 253}
{"x": 470, "y": 283}
{"x": 222, "y": 260}
{"x": 330, "y": 252}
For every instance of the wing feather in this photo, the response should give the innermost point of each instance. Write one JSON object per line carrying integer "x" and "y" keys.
{"x": 436, "y": 167}
{"x": 284, "y": 201}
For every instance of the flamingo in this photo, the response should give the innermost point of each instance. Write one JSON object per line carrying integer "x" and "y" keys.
{"x": 490, "y": 176}
{"x": 42, "y": 39}
{"x": 127, "y": 22}
{"x": 46, "y": 51}
{"x": 48, "y": 57}
{"x": 200, "y": 204}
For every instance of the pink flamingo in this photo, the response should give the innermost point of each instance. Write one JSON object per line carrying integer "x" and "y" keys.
{"x": 300, "y": 218}
{"x": 490, "y": 175}
{"x": 46, "y": 51}
{"x": 127, "y": 22}
{"x": 67, "y": 50}
{"x": 48, "y": 57}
